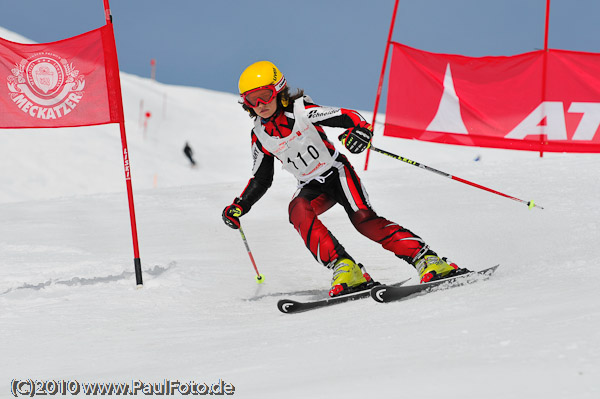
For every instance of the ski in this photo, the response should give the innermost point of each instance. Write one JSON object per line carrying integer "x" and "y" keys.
{"x": 291, "y": 306}
{"x": 386, "y": 293}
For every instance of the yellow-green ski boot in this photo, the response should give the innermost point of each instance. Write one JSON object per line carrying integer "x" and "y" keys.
{"x": 347, "y": 277}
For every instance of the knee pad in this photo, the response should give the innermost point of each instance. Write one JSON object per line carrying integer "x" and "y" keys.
{"x": 298, "y": 209}
{"x": 361, "y": 216}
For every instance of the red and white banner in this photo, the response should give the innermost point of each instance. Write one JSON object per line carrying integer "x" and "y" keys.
{"x": 534, "y": 101}
{"x": 72, "y": 82}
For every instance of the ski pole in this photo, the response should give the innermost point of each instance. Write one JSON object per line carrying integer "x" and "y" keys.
{"x": 259, "y": 277}
{"x": 530, "y": 204}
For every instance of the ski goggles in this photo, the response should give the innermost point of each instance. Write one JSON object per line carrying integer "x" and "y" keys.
{"x": 264, "y": 94}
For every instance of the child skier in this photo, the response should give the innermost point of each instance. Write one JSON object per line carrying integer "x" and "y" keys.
{"x": 288, "y": 127}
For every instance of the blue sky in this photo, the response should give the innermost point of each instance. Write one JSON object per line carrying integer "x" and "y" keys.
{"x": 332, "y": 48}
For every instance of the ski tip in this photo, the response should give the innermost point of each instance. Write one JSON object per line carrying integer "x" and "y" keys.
{"x": 489, "y": 270}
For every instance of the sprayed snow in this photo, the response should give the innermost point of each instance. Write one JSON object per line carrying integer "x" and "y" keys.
{"x": 69, "y": 308}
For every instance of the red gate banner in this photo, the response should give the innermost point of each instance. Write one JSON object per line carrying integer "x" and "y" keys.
{"x": 72, "y": 82}
{"x": 68, "y": 83}
{"x": 538, "y": 101}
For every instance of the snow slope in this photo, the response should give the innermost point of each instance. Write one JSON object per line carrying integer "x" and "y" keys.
{"x": 69, "y": 308}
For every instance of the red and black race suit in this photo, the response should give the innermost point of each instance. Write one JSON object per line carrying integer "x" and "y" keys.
{"x": 339, "y": 185}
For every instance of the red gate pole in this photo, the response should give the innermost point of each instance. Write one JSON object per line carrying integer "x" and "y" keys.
{"x": 545, "y": 70}
{"x": 121, "y": 117}
{"x": 385, "y": 57}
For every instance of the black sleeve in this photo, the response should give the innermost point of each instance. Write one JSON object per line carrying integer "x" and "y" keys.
{"x": 264, "y": 168}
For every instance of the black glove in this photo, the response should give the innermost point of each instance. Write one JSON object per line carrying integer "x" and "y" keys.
{"x": 232, "y": 213}
{"x": 357, "y": 139}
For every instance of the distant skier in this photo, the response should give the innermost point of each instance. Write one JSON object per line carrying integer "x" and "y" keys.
{"x": 289, "y": 127}
{"x": 187, "y": 150}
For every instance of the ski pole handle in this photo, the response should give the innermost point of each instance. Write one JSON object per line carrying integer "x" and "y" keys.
{"x": 530, "y": 204}
{"x": 259, "y": 277}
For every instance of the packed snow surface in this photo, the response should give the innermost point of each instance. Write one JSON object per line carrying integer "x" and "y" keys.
{"x": 70, "y": 309}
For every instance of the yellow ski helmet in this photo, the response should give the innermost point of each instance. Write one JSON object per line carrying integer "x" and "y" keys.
{"x": 259, "y": 74}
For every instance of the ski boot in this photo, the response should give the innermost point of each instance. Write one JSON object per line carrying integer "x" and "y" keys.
{"x": 431, "y": 267}
{"x": 349, "y": 277}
